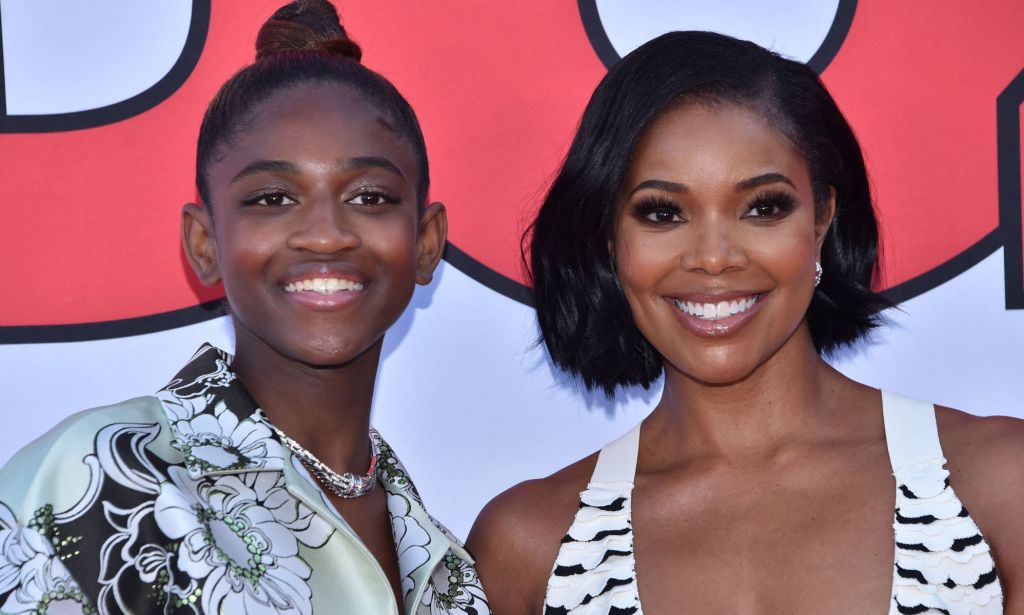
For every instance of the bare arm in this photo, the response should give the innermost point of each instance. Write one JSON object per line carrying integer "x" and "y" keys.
{"x": 515, "y": 541}
{"x": 986, "y": 461}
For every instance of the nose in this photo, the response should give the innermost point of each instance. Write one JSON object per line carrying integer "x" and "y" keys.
{"x": 324, "y": 229}
{"x": 714, "y": 248}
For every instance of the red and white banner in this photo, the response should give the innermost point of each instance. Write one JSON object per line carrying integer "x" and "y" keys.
{"x": 100, "y": 109}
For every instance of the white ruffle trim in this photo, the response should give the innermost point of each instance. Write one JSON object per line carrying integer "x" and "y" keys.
{"x": 937, "y": 547}
{"x": 603, "y": 555}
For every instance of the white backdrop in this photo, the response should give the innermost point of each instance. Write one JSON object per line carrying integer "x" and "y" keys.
{"x": 459, "y": 368}
{"x": 461, "y": 377}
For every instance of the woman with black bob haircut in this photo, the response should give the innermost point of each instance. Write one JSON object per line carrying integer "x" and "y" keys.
{"x": 583, "y": 315}
{"x": 255, "y": 483}
{"x": 713, "y": 222}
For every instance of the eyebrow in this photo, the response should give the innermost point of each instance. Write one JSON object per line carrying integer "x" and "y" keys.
{"x": 760, "y": 180}
{"x": 345, "y": 164}
{"x": 659, "y": 184}
{"x": 746, "y": 184}
{"x": 369, "y": 162}
{"x": 265, "y": 166}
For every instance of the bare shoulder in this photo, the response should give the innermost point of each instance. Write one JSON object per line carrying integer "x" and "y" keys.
{"x": 516, "y": 537}
{"x": 980, "y": 447}
{"x": 986, "y": 463}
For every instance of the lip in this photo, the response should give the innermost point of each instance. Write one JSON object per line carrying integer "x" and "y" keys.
{"x": 723, "y": 326}
{"x": 318, "y": 301}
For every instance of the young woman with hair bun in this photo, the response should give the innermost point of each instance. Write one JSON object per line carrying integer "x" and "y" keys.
{"x": 713, "y": 223}
{"x": 254, "y": 483}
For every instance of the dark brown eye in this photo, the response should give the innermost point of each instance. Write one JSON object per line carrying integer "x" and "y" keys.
{"x": 371, "y": 199}
{"x": 658, "y": 211}
{"x": 662, "y": 216}
{"x": 271, "y": 199}
{"x": 771, "y": 205}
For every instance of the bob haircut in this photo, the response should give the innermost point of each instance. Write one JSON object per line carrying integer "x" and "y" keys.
{"x": 584, "y": 318}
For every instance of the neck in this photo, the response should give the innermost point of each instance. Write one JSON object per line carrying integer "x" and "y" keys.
{"x": 792, "y": 399}
{"x": 326, "y": 409}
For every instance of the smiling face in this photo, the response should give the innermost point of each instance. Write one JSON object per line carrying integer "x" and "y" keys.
{"x": 315, "y": 231}
{"x": 716, "y": 240}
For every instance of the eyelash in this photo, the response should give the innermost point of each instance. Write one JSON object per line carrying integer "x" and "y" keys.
{"x": 385, "y": 198}
{"x": 256, "y": 199}
{"x": 782, "y": 202}
{"x": 653, "y": 205}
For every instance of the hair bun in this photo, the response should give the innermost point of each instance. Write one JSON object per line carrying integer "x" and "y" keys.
{"x": 305, "y": 25}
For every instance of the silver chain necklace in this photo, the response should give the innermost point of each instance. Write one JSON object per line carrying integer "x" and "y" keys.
{"x": 347, "y": 485}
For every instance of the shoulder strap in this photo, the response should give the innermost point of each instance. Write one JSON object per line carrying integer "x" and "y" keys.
{"x": 616, "y": 463}
{"x": 911, "y": 433}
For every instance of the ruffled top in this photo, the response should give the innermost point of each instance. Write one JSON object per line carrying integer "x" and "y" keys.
{"x": 942, "y": 564}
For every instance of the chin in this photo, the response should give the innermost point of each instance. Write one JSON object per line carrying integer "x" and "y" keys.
{"x": 717, "y": 372}
{"x": 324, "y": 353}
{"x": 334, "y": 355}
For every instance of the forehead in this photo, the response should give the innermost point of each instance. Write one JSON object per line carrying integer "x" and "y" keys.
{"x": 311, "y": 122}
{"x": 713, "y": 142}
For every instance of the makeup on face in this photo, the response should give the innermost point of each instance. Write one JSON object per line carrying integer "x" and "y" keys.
{"x": 716, "y": 241}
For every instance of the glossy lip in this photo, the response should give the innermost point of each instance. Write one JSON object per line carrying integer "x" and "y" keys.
{"x": 716, "y": 328}
{"x": 317, "y": 301}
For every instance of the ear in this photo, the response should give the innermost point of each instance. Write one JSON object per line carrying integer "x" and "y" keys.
{"x": 431, "y": 241}
{"x": 199, "y": 244}
{"x": 822, "y": 225}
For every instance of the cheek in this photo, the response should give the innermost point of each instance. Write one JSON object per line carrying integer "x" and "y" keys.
{"x": 245, "y": 250}
{"x": 394, "y": 243}
{"x": 642, "y": 259}
{"x": 786, "y": 254}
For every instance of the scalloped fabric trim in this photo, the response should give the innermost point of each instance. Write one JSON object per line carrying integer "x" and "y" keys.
{"x": 943, "y": 563}
{"x": 594, "y": 573}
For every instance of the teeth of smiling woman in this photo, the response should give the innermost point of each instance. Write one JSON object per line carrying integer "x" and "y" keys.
{"x": 717, "y": 311}
{"x": 323, "y": 286}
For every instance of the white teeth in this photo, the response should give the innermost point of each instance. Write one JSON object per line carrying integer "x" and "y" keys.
{"x": 324, "y": 286}
{"x": 716, "y": 311}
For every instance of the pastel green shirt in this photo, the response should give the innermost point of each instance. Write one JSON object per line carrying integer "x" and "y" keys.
{"x": 186, "y": 502}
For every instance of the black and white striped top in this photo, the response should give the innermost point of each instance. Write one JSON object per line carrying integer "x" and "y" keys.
{"x": 942, "y": 562}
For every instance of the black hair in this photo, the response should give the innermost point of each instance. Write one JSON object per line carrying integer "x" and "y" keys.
{"x": 302, "y": 42}
{"x": 585, "y": 320}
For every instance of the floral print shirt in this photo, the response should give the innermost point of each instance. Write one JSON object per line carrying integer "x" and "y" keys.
{"x": 187, "y": 502}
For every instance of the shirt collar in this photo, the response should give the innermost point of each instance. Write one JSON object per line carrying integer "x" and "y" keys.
{"x": 214, "y": 423}
{"x": 217, "y": 427}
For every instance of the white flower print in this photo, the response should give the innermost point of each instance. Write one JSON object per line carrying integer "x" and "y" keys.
{"x": 183, "y": 408}
{"x": 454, "y": 588}
{"x": 410, "y": 539}
{"x": 185, "y": 399}
{"x": 236, "y": 535}
{"x": 219, "y": 441}
{"x": 30, "y": 567}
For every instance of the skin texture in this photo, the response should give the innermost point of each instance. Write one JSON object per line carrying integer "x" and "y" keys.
{"x": 763, "y": 481}
{"x": 317, "y": 185}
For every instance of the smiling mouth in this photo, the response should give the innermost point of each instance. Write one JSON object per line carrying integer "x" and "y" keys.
{"x": 716, "y": 311}
{"x": 324, "y": 286}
